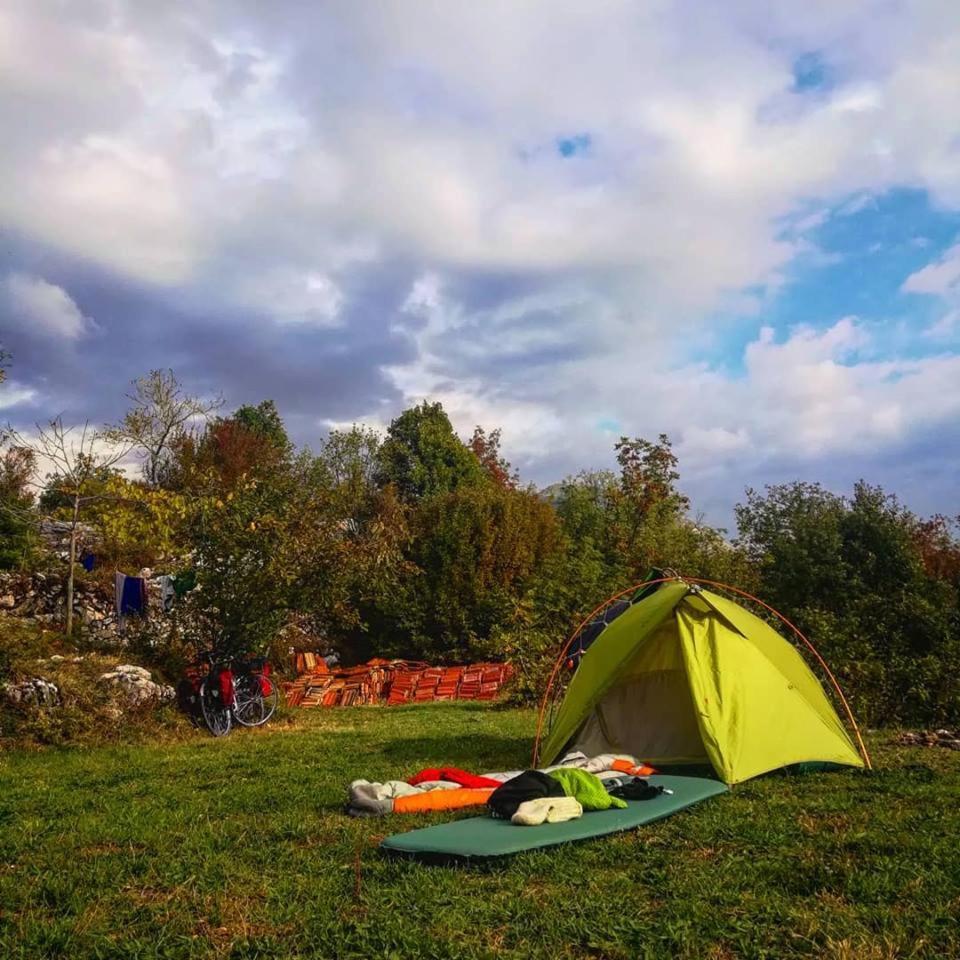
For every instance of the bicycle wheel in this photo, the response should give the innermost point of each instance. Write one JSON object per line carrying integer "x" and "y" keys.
{"x": 252, "y": 707}
{"x": 215, "y": 714}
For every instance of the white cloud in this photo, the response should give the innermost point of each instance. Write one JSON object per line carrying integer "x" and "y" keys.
{"x": 941, "y": 278}
{"x": 13, "y": 393}
{"x": 252, "y": 157}
{"x": 946, "y": 328}
{"x": 200, "y": 132}
{"x": 40, "y": 307}
{"x": 804, "y": 398}
{"x": 291, "y": 296}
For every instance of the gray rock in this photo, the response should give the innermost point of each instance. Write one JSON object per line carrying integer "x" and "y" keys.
{"x": 136, "y": 685}
{"x": 36, "y": 691}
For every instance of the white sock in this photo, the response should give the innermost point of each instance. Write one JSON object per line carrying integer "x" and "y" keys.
{"x": 546, "y": 810}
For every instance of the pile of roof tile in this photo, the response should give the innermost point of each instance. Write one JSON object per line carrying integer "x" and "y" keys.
{"x": 392, "y": 682}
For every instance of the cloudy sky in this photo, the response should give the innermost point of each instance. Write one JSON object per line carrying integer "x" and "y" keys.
{"x": 737, "y": 223}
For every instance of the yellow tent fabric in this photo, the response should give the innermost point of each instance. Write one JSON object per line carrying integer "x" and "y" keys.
{"x": 689, "y": 676}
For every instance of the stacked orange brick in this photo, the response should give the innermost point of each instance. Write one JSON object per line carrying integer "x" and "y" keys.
{"x": 393, "y": 682}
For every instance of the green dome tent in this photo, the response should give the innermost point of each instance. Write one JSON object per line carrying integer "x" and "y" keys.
{"x": 685, "y": 676}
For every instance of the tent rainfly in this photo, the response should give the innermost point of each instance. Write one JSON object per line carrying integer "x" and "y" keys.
{"x": 685, "y": 676}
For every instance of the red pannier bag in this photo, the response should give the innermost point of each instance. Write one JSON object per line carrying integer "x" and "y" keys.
{"x": 226, "y": 687}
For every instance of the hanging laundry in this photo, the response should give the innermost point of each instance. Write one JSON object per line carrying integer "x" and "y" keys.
{"x": 167, "y": 593}
{"x": 184, "y": 582}
{"x": 131, "y": 595}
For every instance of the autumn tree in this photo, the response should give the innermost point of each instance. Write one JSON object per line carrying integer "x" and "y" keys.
{"x": 251, "y": 442}
{"x": 486, "y": 448}
{"x": 159, "y": 417}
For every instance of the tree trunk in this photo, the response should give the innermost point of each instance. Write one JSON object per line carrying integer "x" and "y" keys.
{"x": 73, "y": 561}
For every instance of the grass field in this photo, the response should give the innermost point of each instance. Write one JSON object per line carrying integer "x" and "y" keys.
{"x": 238, "y": 848}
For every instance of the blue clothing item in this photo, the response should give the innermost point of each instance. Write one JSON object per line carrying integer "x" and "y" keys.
{"x": 88, "y": 561}
{"x": 133, "y": 599}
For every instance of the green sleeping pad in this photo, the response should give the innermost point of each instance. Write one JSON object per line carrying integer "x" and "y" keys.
{"x": 483, "y": 837}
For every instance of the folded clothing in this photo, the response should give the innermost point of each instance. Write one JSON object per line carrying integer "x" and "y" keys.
{"x": 587, "y": 788}
{"x": 529, "y": 785}
{"x": 454, "y": 775}
{"x": 368, "y": 799}
{"x": 546, "y": 810}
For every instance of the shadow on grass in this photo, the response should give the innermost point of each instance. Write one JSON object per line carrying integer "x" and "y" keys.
{"x": 444, "y": 751}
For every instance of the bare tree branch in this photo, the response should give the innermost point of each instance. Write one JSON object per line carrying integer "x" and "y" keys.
{"x": 160, "y": 413}
{"x": 77, "y": 463}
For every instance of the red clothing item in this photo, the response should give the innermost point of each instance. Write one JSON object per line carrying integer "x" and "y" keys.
{"x": 454, "y": 775}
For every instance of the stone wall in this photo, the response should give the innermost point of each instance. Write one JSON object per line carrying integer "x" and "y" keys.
{"x": 42, "y": 597}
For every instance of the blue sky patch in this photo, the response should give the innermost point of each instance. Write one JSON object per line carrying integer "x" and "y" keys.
{"x": 610, "y": 425}
{"x": 860, "y": 253}
{"x": 810, "y": 72}
{"x": 574, "y": 145}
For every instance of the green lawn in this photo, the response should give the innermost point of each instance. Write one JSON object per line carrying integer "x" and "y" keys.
{"x": 238, "y": 848}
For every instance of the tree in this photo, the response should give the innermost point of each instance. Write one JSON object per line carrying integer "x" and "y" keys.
{"x": 159, "y": 416}
{"x": 17, "y": 516}
{"x": 139, "y": 525}
{"x": 586, "y": 505}
{"x": 264, "y": 421}
{"x": 855, "y": 573}
{"x": 277, "y": 544}
{"x": 78, "y": 463}
{"x": 648, "y": 475}
{"x": 349, "y": 460}
{"x": 486, "y": 448}
{"x": 226, "y": 452}
{"x": 939, "y": 545}
{"x": 792, "y": 534}
{"x": 475, "y": 551}
{"x": 423, "y": 456}
{"x": 251, "y": 442}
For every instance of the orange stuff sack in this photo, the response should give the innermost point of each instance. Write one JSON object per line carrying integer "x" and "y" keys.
{"x": 640, "y": 770}
{"x": 440, "y": 800}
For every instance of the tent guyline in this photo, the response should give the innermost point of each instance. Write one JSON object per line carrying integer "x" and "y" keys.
{"x": 679, "y": 674}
